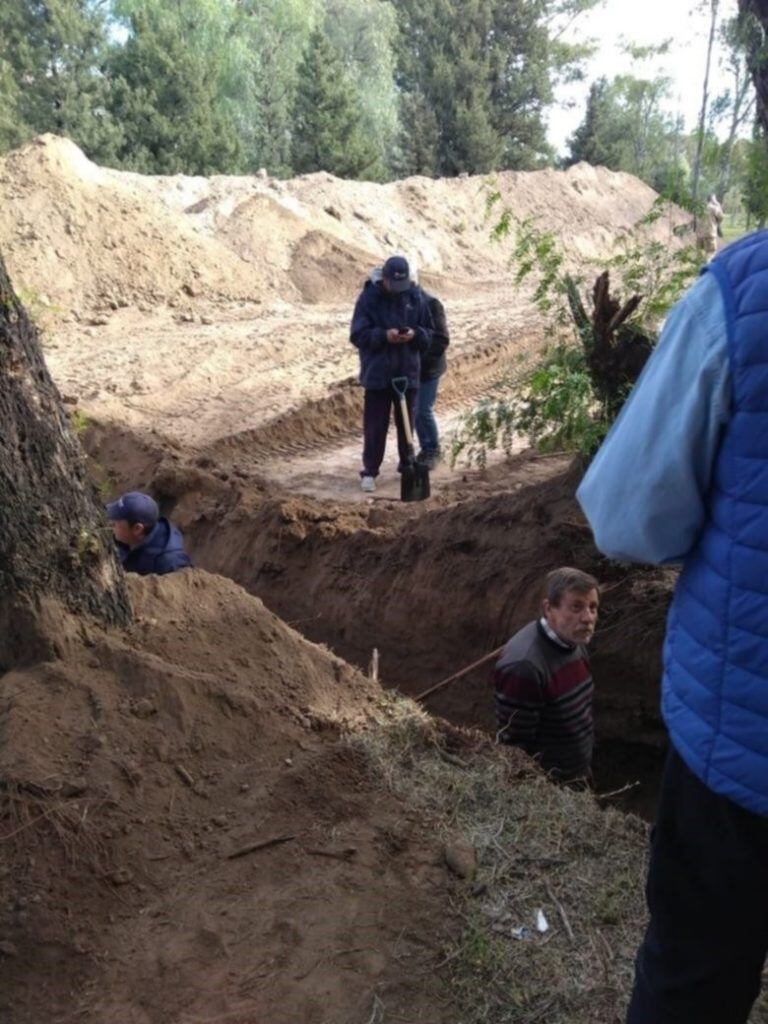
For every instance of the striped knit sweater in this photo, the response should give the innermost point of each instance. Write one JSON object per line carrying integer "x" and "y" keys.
{"x": 544, "y": 701}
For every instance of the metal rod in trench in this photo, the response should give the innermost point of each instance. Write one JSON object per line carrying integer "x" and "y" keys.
{"x": 458, "y": 675}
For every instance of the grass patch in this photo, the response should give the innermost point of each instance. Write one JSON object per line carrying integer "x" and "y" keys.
{"x": 79, "y": 421}
{"x": 539, "y": 847}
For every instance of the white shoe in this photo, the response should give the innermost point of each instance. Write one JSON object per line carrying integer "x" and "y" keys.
{"x": 367, "y": 483}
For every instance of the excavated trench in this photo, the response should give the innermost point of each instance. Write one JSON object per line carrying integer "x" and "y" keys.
{"x": 433, "y": 588}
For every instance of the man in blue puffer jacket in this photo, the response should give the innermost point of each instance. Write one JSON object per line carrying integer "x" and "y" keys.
{"x": 146, "y": 543}
{"x": 683, "y": 476}
{"x": 391, "y": 328}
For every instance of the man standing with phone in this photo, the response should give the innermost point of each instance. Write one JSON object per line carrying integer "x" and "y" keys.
{"x": 391, "y": 329}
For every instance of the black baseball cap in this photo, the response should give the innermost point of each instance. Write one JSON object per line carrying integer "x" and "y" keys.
{"x": 134, "y": 507}
{"x": 397, "y": 273}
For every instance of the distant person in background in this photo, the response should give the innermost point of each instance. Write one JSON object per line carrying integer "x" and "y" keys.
{"x": 433, "y": 366}
{"x": 715, "y": 214}
{"x": 543, "y": 680}
{"x": 391, "y": 329}
{"x": 146, "y": 543}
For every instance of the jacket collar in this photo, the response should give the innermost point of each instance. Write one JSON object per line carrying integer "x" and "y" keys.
{"x": 547, "y": 630}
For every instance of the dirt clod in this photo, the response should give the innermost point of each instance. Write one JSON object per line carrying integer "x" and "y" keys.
{"x": 461, "y": 858}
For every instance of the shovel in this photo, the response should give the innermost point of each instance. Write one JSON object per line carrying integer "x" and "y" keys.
{"x": 414, "y": 479}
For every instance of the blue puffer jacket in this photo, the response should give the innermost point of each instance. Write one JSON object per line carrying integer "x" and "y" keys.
{"x": 715, "y": 698}
{"x": 376, "y": 311}
{"x": 162, "y": 552}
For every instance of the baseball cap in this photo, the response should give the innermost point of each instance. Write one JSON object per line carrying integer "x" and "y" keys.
{"x": 135, "y": 507}
{"x": 397, "y": 273}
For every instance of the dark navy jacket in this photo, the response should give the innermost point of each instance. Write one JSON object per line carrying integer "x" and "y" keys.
{"x": 433, "y": 362}
{"x": 376, "y": 311}
{"x": 162, "y": 552}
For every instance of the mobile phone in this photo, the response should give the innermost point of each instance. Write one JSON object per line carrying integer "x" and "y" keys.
{"x": 403, "y": 330}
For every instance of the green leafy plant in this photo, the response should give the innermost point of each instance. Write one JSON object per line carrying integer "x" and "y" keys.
{"x": 658, "y": 270}
{"x": 79, "y": 421}
{"x": 567, "y": 396}
{"x": 552, "y": 403}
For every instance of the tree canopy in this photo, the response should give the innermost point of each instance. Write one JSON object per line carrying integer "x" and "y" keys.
{"x": 327, "y": 117}
{"x": 203, "y": 86}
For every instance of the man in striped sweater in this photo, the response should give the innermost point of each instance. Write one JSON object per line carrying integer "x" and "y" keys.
{"x": 543, "y": 680}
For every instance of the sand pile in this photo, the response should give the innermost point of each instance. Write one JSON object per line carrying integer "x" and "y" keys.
{"x": 144, "y": 283}
{"x": 133, "y": 766}
{"x": 79, "y": 237}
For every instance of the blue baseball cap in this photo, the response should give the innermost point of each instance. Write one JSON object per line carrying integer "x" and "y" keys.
{"x": 134, "y": 507}
{"x": 397, "y": 273}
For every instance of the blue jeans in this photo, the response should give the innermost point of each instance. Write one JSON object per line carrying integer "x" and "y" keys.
{"x": 426, "y": 424}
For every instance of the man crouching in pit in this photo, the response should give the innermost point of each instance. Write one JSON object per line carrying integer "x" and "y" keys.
{"x": 544, "y": 683}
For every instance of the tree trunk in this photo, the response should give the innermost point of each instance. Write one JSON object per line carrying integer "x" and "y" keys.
{"x": 703, "y": 114}
{"x": 742, "y": 108}
{"x": 616, "y": 350}
{"x": 54, "y": 541}
{"x": 758, "y": 56}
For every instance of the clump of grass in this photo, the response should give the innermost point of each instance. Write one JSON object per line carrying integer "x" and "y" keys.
{"x": 79, "y": 421}
{"x": 29, "y": 819}
{"x": 539, "y": 846}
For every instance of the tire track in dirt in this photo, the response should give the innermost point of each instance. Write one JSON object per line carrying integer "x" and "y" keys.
{"x": 321, "y": 425}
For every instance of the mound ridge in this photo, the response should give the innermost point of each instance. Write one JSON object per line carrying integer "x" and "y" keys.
{"x": 132, "y": 767}
{"x": 80, "y": 237}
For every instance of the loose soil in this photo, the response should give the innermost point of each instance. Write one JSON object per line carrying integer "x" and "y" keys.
{"x": 197, "y": 329}
{"x": 134, "y": 768}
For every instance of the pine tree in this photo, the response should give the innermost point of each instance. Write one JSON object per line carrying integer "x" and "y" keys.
{"x": 478, "y": 75}
{"x": 445, "y": 78}
{"x": 364, "y": 34}
{"x": 595, "y": 140}
{"x": 167, "y": 96}
{"x": 13, "y": 130}
{"x": 51, "y": 64}
{"x": 327, "y": 119}
{"x": 266, "y": 44}
{"x": 421, "y": 135}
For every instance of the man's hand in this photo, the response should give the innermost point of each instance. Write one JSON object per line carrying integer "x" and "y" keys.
{"x": 394, "y": 337}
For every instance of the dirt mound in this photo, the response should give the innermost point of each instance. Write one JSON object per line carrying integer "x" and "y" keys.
{"x": 375, "y": 575}
{"x": 435, "y": 590}
{"x": 145, "y": 283}
{"x": 77, "y": 237}
{"x": 325, "y": 270}
{"x": 138, "y": 774}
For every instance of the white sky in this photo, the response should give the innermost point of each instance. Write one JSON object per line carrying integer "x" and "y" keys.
{"x": 646, "y": 22}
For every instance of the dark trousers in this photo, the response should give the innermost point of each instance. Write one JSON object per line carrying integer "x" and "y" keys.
{"x": 376, "y": 410}
{"x": 704, "y": 950}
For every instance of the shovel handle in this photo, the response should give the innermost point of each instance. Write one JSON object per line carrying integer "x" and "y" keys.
{"x": 400, "y": 386}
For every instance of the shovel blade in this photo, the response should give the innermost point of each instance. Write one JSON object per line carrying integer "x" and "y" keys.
{"x": 414, "y": 482}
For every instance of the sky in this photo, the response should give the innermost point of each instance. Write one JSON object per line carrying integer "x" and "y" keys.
{"x": 647, "y": 22}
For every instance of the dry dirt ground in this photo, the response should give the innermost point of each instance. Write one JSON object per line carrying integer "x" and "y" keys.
{"x": 197, "y": 329}
{"x": 137, "y": 771}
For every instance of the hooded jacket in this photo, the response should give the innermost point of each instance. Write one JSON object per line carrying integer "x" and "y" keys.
{"x": 162, "y": 552}
{"x": 433, "y": 362}
{"x": 376, "y": 311}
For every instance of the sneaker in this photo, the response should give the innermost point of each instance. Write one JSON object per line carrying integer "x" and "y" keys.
{"x": 429, "y": 459}
{"x": 367, "y": 483}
